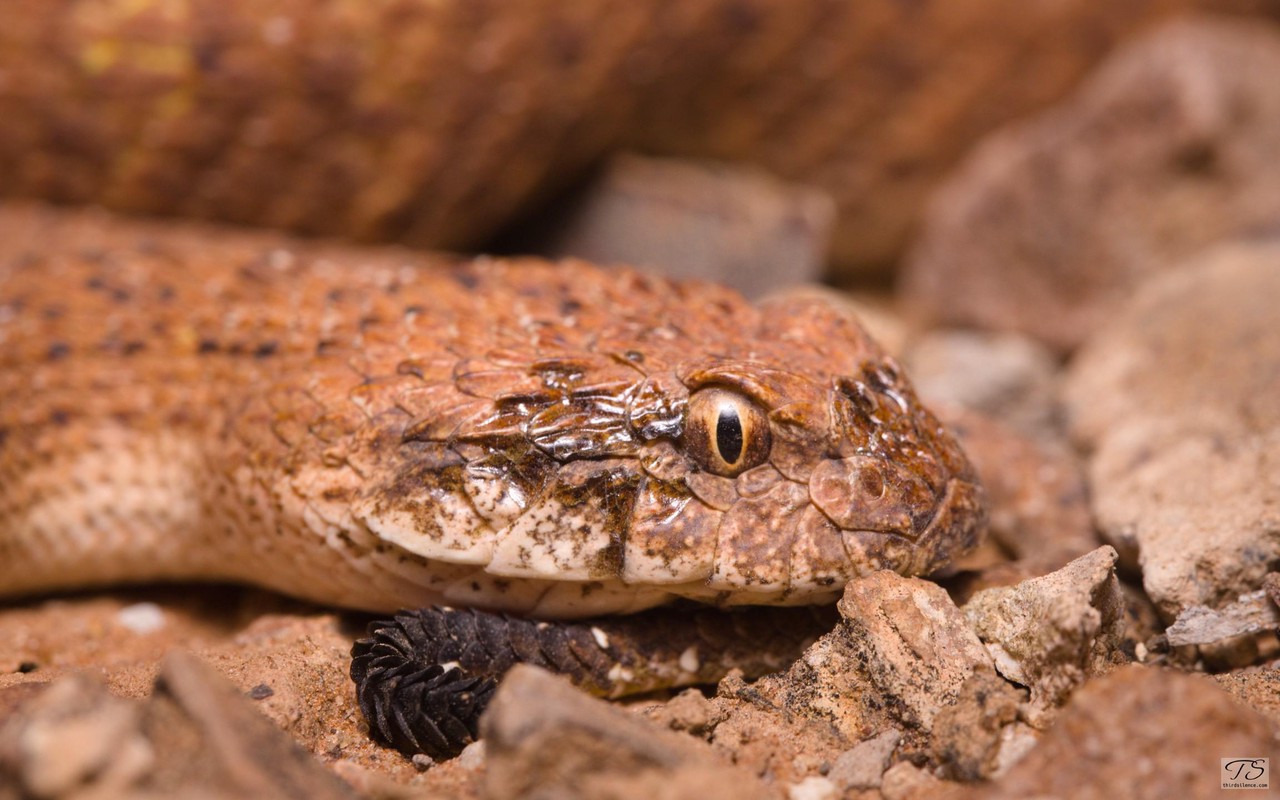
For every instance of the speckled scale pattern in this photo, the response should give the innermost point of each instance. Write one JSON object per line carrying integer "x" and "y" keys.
{"x": 431, "y": 122}
{"x": 384, "y": 429}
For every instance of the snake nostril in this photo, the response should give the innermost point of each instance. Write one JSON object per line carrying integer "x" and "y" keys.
{"x": 871, "y": 481}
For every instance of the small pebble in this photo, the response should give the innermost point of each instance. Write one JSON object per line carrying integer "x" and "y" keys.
{"x": 472, "y": 757}
{"x": 813, "y": 788}
{"x": 142, "y": 617}
{"x": 261, "y": 692}
{"x": 422, "y": 762}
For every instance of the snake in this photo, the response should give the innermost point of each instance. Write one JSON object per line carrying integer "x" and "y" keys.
{"x": 383, "y": 429}
{"x": 635, "y": 481}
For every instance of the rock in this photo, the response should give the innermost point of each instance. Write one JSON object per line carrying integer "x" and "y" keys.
{"x": 691, "y": 711}
{"x": 1271, "y": 585}
{"x": 1257, "y": 688}
{"x": 814, "y": 787}
{"x": 1140, "y": 732}
{"x": 1016, "y": 741}
{"x": 196, "y": 736}
{"x": 863, "y": 766}
{"x": 1004, "y": 376}
{"x": 757, "y": 731}
{"x": 545, "y": 738}
{"x": 233, "y": 738}
{"x": 901, "y": 675}
{"x": 1050, "y": 223}
{"x": 969, "y": 734}
{"x": 472, "y": 756}
{"x": 1051, "y": 633}
{"x": 1037, "y": 501}
{"x": 74, "y": 738}
{"x": 1251, "y": 613}
{"x": 905, "y": 781}
{"x": 1177, "y": 400}
{"x": 902, "y": 642}
{"x": 690, "y": 219}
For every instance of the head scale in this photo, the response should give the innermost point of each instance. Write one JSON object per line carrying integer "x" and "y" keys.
{"x": 767, "y": 460}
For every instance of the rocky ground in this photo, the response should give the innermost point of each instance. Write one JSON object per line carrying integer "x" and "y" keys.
{"x": 1093, "y": 304}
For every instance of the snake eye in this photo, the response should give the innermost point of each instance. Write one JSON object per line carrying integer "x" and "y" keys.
{"x": 726, "y": 433}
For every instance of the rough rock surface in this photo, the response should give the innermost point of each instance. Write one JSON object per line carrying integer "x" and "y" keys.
{"x": 1051, "y": 633}
{"x": 1051, "y": 222}
{"x": 1140, "y": 732}
{"x": 902, "y": 653}
{"x": 902, "y": 677}
{"x": 1177, "y": 400}
{"x": 1257, "y": 688}
{"x": 863, "y": 765}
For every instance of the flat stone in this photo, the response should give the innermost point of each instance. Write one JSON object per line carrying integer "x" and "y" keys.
{"x": 691, "y": 219}
{"x": 863, "y": 766}
{"x": 1252, "y": 613}
{"x": 1006, "y": 376}
{"x": 1176, "y": 399}
{"x": 1051, "y": 633}
{"x": 544, "y": 736}
{"x": 1050, "y": 223}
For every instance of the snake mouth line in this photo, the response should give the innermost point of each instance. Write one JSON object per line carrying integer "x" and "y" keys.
{"x": 767, "y": 562}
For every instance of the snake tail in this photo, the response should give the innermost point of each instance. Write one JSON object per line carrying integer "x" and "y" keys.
{"x": 424, "y": 677}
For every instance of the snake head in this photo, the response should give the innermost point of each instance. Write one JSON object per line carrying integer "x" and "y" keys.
{"x": 729, "y": 453}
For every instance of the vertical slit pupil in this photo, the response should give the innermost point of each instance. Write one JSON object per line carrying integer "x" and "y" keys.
{"x": 729, "y": 435}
